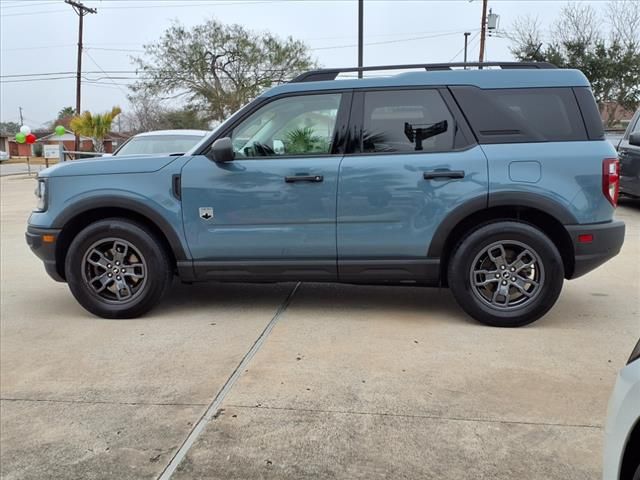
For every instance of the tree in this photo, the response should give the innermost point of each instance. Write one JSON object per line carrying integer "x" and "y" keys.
{"x": 64, "y": 117}
{"x": 148, "y": 114}
{"x": 95, "y": 126}
{"x": 611, "y": 64}
{"x": 216, "y": 67}
{"x": 66, "y": 112}
{"x": 9, "y": 128}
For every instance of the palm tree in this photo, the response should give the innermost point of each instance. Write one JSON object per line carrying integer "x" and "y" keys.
{"x": 95, "y": 126}
{"x": 66, "y": 112}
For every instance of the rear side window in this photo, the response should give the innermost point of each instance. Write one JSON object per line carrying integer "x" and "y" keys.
{"x": 518, "y": 115}
{"x": 406, "y": 121}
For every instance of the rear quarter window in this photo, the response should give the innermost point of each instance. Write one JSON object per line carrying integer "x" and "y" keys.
{"x": 520, "y": 115}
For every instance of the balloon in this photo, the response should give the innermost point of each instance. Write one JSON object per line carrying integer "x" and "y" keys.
{"x": 21, "y": 137}
{"x": 31, "y": 138}
{"x": 60, "y": 130}
{"x": 25, "y": 129}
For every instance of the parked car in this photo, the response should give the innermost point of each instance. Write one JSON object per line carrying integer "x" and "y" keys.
{"x": 629, "y": 154}
{"x": 3, "y": 156}
{"x": 498, "y": 183}
{"x": 161, "y": 142}
{"x": 622, "y": 431}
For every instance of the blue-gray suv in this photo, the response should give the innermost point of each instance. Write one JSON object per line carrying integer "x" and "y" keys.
{"x": 494, "y": 181}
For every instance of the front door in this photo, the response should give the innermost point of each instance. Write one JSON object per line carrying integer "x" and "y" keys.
{"x": 270, "y": 213}
{"x": 416, "y": 162}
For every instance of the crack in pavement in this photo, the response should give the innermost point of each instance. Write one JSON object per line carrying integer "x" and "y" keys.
{"x": 423, "y": 416}
{"x": 213, "y": 407}
{"x": 103, "y": 402}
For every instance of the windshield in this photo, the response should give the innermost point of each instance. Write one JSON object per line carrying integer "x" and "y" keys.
{"x": 158, "y": 144}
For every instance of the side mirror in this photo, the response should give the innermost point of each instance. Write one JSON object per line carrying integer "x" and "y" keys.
{"x": 222, "y": 150}
{"x": 634, "y": 139}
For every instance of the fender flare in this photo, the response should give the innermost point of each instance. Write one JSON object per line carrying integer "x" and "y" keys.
{"x": 500, "y": 199}
{"x": 114, "y": 201}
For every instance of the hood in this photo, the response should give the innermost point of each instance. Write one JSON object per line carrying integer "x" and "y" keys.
{"x": 107, "y": 166}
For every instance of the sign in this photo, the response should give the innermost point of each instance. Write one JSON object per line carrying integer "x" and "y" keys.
{"x": 51, "y": 151}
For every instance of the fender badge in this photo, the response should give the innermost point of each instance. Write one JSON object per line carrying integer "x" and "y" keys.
{"x": 206, "y": 213}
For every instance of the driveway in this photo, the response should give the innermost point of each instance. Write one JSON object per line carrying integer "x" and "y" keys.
{"x": 18, "y": 168}
{"x": 304, "y": 380}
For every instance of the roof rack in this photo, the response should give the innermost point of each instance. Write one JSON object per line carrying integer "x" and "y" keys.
{"x": 331, "y": 73}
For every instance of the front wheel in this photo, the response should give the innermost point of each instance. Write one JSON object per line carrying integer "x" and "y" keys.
{"x": 116, "y": 268}
{"x": 506, "y": 274}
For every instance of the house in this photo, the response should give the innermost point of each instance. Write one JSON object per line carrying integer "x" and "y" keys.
{"x": 4, "y": 142}
{"x": 109, "y": 144}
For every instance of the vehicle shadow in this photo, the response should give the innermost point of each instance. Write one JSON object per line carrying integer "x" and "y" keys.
{"x": 630, "y": 202}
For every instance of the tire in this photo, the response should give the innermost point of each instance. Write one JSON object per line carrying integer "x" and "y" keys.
{"x": 636, "y": 476}
{"x": 117, "y": 268}
{"x": 527, "y": 287}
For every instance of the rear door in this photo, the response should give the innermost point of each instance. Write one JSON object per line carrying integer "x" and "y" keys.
{"x": 415, "y": 161}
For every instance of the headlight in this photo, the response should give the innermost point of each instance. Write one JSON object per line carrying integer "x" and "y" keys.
{"x": 635, "y": 355}
{"x": 41, "y": 195}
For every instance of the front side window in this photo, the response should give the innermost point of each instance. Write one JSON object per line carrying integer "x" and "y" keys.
{"x": 300, "y": 125}
{"x": 406, "y": 121}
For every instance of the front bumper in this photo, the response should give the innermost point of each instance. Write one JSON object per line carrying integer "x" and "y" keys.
{"x": 45, "y": 250}
{"x": 607, "y": 239}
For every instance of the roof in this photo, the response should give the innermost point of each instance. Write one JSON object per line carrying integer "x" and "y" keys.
{"x": 67, "y": 137}
{"x": 486, "y": 78}
{"x": 199, "y": 133}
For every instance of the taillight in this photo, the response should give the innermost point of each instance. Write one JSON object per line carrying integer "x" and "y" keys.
{"x": 611, "y": 179}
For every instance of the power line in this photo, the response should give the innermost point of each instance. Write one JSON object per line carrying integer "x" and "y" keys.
{"x": 63, "y": 73}
{"x": 468, "y": 47}
{"x": 385, "y": 42}
{"x": 28, "y": 4}
{"x": 96, "y": 64}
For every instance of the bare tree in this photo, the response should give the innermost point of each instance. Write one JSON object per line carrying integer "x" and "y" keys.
{"x": 577, "y": 23}
{"x": 526, "y": 38}
{"x": 624, "y": 19}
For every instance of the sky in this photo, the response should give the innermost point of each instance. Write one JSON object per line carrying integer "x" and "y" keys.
{"x": 40, "y": 36}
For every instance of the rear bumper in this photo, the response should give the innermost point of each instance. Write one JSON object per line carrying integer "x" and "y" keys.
{"x": 606, "y": 243}
{"x": 45, "y": 251}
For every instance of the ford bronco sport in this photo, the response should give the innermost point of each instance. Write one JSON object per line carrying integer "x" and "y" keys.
{"x": 495, "y": 181}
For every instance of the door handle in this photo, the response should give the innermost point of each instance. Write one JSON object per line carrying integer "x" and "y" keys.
{"x": 304, "y": 178}
{"x": 434, "y": 174}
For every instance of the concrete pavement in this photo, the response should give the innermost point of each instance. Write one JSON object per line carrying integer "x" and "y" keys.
{"x": 352, "y": 382}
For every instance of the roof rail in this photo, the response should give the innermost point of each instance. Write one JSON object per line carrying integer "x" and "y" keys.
{"x": 331, "y": 73}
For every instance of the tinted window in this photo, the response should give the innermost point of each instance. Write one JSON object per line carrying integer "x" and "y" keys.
{"x": 522, "y": 114}
{"x": 406, "y": 121}
{"x": 159, "y": 144}
{"x": 590, "y": 112}
{"x": 300, "y": 125}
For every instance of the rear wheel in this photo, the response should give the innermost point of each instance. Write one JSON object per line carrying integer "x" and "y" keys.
{"x": 506, "y": 274}
{"x": 116, "y": 268}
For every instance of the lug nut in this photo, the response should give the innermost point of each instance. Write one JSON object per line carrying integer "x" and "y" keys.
{"x": 504, "y": 282}
{"x": 118, "y": 277}
{"x": 502, "y": 267}
{"x": 513, "y": 269}
{"x": 513, "y": 279}
{"x": 497, "y": 275}
{"x": 108, "y": 265}
{"x": 109, "y": 275}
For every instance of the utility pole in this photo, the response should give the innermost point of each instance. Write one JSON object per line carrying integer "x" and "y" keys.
{"x": 81, "y": 10}
{"x": 483, "y": 29}
{"x": 21, "y": 119}
{"x": 466, "y": 43}
{"x": 360, "y": 35}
